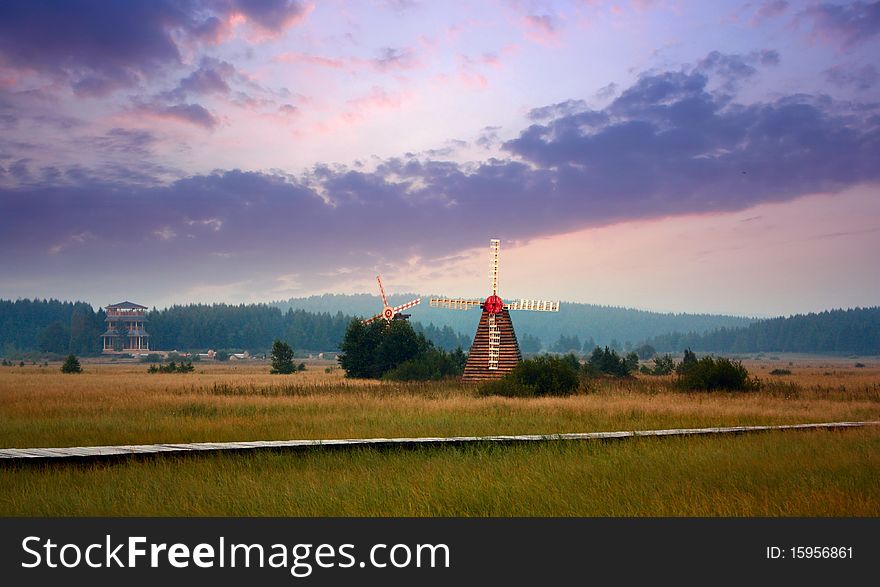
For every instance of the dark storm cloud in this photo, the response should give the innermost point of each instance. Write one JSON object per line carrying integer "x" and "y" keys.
{"x": 99, "y": 46}
{"x": 666, "y": 145}
{"x": 846, "y": 24}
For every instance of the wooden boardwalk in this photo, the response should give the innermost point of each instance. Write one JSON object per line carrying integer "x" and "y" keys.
{"x": 13, "y": 455}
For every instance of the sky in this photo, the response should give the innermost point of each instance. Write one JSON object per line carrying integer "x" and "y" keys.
{"x": 669, "y": 155}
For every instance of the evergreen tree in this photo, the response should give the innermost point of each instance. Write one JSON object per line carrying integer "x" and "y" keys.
{"x": 282, "y": 358}
{"x": 54, "y": 339}
{"x": 71, "y": 365}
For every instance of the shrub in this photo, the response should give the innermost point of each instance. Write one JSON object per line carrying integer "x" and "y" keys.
{"x": 780, "y": 372}
{"x": 505, "y": 388}
{"x": 152, "y": 358}
{"x": 710, "y": 373}
{"x": 433, "y": 364}
{"x": 71, "y": 365}
{"x": 542, "y": 375}
{"x": 172, "y": 367}
{"x": 372, "y": 350}
{"x": 221, "y": 356}
{"x": 860, "y": 365}
{"x": 608, "y": 362}
{"x": 663, "y": 365}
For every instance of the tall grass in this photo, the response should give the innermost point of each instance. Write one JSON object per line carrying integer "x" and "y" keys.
{"x": 773, "y": 474}
{"x": 124, "y": 405}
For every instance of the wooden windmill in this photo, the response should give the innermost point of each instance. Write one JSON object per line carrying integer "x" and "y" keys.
{"x": 495, "y": 350}
{"x": 389, "y": 313}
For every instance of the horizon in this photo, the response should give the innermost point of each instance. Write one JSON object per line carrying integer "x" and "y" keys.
{"x": 669, "y": 156}
{"x": 150, "y": 308}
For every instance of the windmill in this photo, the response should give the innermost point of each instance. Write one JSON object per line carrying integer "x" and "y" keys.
{"x": 495, "y": 350}
{"x": 389, "y": 313}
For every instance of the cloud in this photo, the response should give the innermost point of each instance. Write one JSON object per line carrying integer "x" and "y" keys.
{"x": 666, "y": 145}
{"x": 852, "y": 76}
{"x": 121, "y": 140}
{"x": 541, "y": 28}
{"x": 391, "y": 59}
{"x": 769, "y": 9}
{"x": 734, "y": 68}
{"x": 194, "y": 114}
{"x": 99, "y": 46}
{"x": 845, "y": 25}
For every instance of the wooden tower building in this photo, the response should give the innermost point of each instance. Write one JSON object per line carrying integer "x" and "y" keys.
{"x": 125, "y": 329}
{"x": 495, "y": 350}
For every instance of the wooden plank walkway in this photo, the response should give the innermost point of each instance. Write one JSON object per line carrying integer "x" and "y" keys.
{"x": 12, "y": 455}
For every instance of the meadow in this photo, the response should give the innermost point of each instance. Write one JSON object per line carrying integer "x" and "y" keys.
{"x": 800, "y": 473}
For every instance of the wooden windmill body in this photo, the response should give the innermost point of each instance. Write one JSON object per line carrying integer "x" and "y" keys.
{"x": 495, "y": 350}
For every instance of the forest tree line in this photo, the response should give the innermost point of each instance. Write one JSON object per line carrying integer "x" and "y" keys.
{"x": 853, "y": 331}
{"x": 56, "y": 327}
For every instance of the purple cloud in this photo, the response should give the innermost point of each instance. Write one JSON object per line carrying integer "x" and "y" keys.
{"x": 666, "y": 145}
{"x": 845, "y": 24}
{"x": 860, "y": 78}
{"x": 102, "y": 45}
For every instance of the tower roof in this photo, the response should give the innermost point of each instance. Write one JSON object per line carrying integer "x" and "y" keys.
{"x": 126, "y": 306}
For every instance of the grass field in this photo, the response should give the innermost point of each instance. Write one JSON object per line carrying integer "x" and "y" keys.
{"x": 800, "y": 473}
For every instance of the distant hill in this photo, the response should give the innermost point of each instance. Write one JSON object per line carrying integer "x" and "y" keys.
{"x": 855, "y": 331}
{"x": 604, "y": 324}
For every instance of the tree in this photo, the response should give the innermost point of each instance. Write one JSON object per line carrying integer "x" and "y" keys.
{"x": 687, "y": 362}
{"x": 54, "y": 339}
{"x": 646, "y": 352}
{"x": 71, "y": 365}
{"x": 282, "y": 358}
{"x": 529, "y": 344}
{"x": 607, "y": 361}
{"x": 372, "y": 350}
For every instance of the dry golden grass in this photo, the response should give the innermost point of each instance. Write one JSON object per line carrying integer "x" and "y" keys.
{"x": 122, "y": 404}
{"x": 815, "y": 473}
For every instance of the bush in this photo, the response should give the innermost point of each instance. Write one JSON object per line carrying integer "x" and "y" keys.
{"x": 608, "y": 362}
{"x": 71, "y": 365}
{"x": 221, "y": 356}
{"x": 662, "y": 366}
{"x": 172, "y": 367}
{"x": 710, "y": 373}
{"x": 860, "y": 365}
{"x": 780, "y": 372}
{"x": 152, "y": 358}
{"x": 433, "y": 364}
{"x": 543, "y": 375}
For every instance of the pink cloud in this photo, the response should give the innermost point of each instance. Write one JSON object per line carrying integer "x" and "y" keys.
{"x": 305, "y": 58}
{"x": 541, "y": 29}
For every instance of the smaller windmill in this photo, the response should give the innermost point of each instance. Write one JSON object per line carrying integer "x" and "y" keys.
{"x": 495, "y": 350}
{"x": 389, "y": 313}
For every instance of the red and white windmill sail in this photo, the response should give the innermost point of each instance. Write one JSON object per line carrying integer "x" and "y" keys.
{"x": 388, "y": 312}
{"x": 494, "y": 305}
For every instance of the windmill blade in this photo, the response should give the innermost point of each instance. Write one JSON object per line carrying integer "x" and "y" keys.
{"x": 455, "y": 304}
{"x": 494, "y": 245}
{"x": 382, "y": 291}
{"x": 494, "y": 343}
{"x": 374, "y": 318}
{"x": 533, "y": 305}
{"x": 407, "y": 305}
